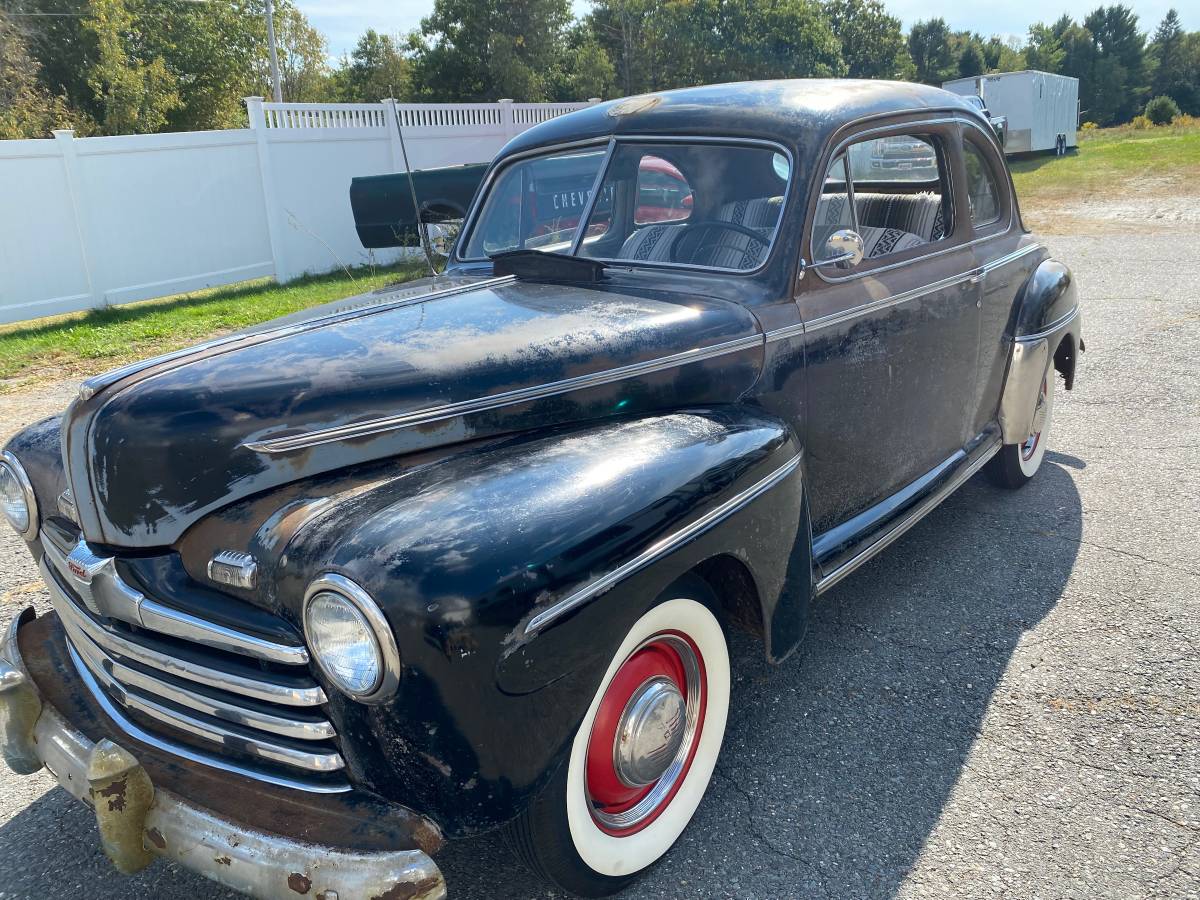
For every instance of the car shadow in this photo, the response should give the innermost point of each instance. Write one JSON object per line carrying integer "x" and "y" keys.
{"x": 837, "y": 764}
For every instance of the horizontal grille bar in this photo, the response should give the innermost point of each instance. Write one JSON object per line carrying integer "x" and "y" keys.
{"x": 259, "y": 685}
{"x": 135, "y": 607}
{"x": 297, "y": 781}
{"x": 304, "y": 729}
{"x": 242, "y": 739}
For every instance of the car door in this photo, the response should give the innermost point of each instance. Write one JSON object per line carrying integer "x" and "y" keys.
{"x": 891, "y": 343}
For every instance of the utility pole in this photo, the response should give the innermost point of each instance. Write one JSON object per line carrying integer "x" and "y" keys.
{"x": 276, "y": 89}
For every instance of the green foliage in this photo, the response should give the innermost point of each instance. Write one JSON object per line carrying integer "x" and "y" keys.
{"x": 150, "y": 65}
{"x": 376, "y": 69}
{"x": 1175, "y": 58}
{"x": 1162, "y": 110}
{"x": 873, "y": 45}
{"x": 135, "y": 95}
{"x": 931, "y": 51}
{"x": 971, "y": 61}
{"x": 27, "y": 110}
{"x": 480, "y": 50}
{"x": 1044, "y": 50}
{"x": 656, "y": 45}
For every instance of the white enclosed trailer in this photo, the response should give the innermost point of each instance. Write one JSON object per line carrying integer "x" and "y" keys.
{"x": 1042, "y": 109}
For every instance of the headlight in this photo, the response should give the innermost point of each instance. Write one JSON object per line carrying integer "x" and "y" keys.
{"x": 16, "y": 496}
{"x": 350, "y": 639}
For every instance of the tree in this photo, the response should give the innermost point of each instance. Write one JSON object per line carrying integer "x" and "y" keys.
{"x": 1044, "y": 51}
{"x": 589, "y": 71}
{"x": 487, "y": 49}
{"x": 376, "y": 69}
{"x": 27, "y": 109}
{"x": 872, "y": 43}
{"x": 929, "y": 46}
{"x": 1118, "y": 82}
{"x": 304, "y": 74}
{"x": 136, "y": 96}
{"x": 971, "y": 61}
{"x": 1161, "y": 110}
{"x": 1173, "y": 76}
{"x": 1002, "y": 56}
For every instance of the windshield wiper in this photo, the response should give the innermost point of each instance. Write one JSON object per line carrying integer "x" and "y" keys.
{"x": 539, "y": 265}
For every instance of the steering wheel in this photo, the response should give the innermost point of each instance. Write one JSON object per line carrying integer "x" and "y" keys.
{"x": 699, "y": 229}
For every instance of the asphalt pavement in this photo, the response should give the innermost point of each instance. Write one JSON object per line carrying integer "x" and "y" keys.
{"x": 1005, "y": 703}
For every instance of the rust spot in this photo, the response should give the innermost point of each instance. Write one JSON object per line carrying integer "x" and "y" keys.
{"x": 154, "y": 836}
{"x": 299, "y": 883}
{"x": 115, "y": 793}
{"x": 406, "y": 890}
{"x": 222, "y": 860}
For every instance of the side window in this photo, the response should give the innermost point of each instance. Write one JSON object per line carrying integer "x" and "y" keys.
{"x": 983, "y": 194}
{"x": 663, "y": 194}
{"x": 894, "y": 192}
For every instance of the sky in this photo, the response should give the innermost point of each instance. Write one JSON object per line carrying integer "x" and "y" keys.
{"x": 342, "y": 21}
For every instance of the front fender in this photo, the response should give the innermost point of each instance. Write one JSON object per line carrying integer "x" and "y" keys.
{"x": 464, "y": 553}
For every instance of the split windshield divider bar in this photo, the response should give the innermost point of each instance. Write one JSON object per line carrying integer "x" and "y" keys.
{"x": 581, "y": 228}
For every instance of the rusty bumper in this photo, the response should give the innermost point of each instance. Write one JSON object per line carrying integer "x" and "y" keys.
{"x": 139, "y": 821}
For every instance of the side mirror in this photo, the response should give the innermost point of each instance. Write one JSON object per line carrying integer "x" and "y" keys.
{"x": 844, "y": 249}
{"x": 440, "y": 239}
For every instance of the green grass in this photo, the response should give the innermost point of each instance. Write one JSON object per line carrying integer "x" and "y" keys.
{"x": 86, "y": 343}
{"x": 1107, "y": 160}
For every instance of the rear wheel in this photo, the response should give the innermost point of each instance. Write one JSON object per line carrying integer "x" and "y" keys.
{"x": 642, "y": 758}
{"x": 1015, "y": 464}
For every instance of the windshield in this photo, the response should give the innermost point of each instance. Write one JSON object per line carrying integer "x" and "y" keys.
{"x": 707, "y": 205}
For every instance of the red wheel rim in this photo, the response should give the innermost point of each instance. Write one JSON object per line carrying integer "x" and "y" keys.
{"x": 618, "y": 807}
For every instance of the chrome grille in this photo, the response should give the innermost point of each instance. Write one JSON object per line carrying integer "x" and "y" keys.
{"x": 198, "y": 685}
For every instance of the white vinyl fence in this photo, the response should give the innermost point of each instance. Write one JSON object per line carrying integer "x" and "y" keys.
{"x": 91, "y": 222}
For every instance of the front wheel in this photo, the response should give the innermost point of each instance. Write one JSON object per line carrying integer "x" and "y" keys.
{"x": 1015, "y": 464}
{"x": 642, "y": 758}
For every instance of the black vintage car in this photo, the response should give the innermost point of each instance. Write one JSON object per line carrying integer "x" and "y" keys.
{"x": 462, "y": 554}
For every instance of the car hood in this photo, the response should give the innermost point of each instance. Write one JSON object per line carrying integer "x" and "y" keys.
{"x": 151, "y": 449}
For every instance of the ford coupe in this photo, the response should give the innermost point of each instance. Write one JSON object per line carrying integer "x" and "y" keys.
{"x": 462, "y": 555}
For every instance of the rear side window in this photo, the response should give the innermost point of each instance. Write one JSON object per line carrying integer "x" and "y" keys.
{"x": 983, "y": 193}
{"x": 891, "y": 190}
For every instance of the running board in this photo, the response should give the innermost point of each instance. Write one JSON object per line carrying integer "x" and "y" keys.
{"x": 962, "y": 466}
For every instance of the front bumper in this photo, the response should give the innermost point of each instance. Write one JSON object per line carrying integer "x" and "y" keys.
{"x": 139, "y": 820}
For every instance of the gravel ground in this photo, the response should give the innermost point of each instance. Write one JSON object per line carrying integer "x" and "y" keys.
{"x": 1004, "y": 703}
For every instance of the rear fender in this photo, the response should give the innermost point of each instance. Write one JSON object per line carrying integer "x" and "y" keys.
{"x": 1046, "y": 331}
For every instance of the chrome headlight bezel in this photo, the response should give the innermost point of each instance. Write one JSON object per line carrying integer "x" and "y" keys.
{"x": 13, "y": 465}
{"x": 385, "y": 641}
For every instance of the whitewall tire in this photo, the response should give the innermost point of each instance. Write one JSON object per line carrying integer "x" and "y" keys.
{"x": 643, "y": 756}
{"x": 1015, "y": 464}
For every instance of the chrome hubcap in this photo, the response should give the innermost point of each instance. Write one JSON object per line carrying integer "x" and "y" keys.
{"x": 650, "y": 733}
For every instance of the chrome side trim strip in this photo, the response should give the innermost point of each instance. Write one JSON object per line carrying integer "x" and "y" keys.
{"x": 895, "y": 299}
{"x": 98, "y": 383}
{"x": 102, "y": 664}
{"x": 96, "y": 580}
{"x": 780, "y": 334}
{"x": 307, "y": 439}
{"x": 239, "y": 738}
{"x": 1049, "y": 330}
{"x": 916, "y": 515}
{"x": 662, "y": 547}
{"x": 1011, "y": 257}
{"x": 260, "y": 688}
{"x": 184, "y": 752}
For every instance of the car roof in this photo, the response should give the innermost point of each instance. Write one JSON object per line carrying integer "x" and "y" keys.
{"x": 798, "y": 113}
